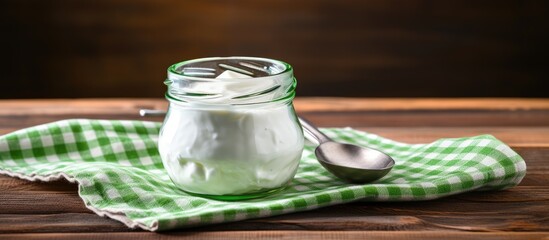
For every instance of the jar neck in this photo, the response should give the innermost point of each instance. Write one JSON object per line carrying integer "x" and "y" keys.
{"x": 219, "y": 81}
{"x": 251, "y": 102}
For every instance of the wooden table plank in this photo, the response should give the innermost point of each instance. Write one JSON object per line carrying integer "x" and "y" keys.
{"x": 308, "y": 104}
{"x": 328, "y": 112}
{"x": 60, "y": 222}
{"x": 343, "y": 119}
{"x": 298, "y": 235}
{"x": 367, "y": 217}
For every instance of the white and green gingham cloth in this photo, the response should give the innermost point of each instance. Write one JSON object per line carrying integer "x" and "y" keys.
{"x": 120, "y": 175}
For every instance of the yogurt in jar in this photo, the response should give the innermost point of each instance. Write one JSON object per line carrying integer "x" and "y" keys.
{"x": 216, "y": 149}
{"x": 220, "y": 152}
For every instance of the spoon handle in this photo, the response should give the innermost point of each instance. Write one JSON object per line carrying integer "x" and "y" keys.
{"x": 312, "y": 130}
{"x": 151, "y": 113}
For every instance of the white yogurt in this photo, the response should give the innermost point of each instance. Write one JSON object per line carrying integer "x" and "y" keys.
{"x": 231, "y": 151}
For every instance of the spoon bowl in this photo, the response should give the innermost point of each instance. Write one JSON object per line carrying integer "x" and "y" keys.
{"x": 353, "y": 163}
{"x": 348, "y": 162}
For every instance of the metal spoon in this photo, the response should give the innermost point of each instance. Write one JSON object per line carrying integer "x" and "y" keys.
{"x": 348, "y": 162}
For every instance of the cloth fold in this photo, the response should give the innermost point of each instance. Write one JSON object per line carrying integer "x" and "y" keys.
{"x": 120, "y": 174}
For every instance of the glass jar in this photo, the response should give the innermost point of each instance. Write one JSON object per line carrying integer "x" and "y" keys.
{"x": 231, "y": 131}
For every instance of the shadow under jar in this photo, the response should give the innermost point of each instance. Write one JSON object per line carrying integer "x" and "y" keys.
{"x": 231, "y": 131}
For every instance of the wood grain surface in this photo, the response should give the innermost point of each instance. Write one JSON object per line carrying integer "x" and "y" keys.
{"x": 54, "y": 211}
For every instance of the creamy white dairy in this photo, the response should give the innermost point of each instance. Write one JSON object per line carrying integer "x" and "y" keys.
{"x": 231, "y": 151}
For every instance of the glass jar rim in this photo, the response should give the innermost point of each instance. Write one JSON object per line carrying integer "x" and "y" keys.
{"x": 173, "y": 69}
{"x": 180, "y": 85}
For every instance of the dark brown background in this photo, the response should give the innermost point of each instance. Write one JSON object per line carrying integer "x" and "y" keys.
{"x": 417, "y": 48}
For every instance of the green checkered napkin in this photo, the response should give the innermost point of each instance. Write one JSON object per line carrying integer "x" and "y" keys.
{"x": 120, "y": 174}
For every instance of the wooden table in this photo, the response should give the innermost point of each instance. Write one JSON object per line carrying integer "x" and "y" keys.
{"x": 54, "y": 210}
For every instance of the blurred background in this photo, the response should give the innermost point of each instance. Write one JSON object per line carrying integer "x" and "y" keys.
{"x": 363, "y": 48}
